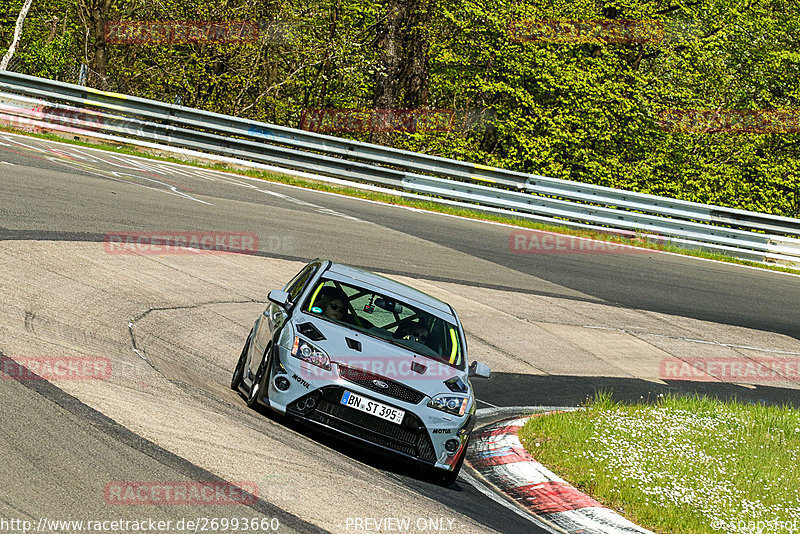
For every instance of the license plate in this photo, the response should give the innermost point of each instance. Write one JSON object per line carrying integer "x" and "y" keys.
{"x": 373, "y": 407}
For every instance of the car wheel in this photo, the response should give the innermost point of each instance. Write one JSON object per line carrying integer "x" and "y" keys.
{"x": 238, "y": 371}
{"x": 258, "y": 381}
{"x": 448, "y": 478}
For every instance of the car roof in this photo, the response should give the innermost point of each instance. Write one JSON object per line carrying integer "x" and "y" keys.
{"x": 399, "y": 289}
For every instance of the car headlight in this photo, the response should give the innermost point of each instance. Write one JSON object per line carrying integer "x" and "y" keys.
{"x": 307, "y": 352}
{"x": 450, "y": 404}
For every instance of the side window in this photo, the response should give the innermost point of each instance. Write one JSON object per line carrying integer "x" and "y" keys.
{"x": 295, "y": 287}
{"x": 313, "y": 301}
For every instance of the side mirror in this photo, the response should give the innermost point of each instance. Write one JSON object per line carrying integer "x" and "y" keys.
{"x": 479, "y": 370}
{"x": 281, "y": 298}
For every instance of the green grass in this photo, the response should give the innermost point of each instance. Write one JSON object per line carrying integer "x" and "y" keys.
{"x": 683, "y": 465}
{"x": 400, "y": 201}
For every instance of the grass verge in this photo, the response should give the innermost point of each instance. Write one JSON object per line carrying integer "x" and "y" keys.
{"x": 683, "y": 465}
{"x": 387, "y": 198}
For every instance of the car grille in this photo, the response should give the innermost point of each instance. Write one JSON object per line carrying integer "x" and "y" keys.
{"x": 395, "y": 390}
{"x": 409, "y": 438}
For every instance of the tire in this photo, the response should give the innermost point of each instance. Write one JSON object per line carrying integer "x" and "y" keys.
{"x": 448, "y": 478}
{"x": 238, "y": 371}
{"x": 259, "y": 381}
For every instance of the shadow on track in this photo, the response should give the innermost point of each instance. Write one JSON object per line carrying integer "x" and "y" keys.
{"x": 512, "y": 389}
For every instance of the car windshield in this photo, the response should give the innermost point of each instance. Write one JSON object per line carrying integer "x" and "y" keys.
{"x": 388, "y": 319}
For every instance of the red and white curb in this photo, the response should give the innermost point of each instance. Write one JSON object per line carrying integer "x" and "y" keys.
{"x": 497, "y": 454}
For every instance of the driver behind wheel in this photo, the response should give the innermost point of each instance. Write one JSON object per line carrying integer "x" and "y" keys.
{"x": 332, "y": 302}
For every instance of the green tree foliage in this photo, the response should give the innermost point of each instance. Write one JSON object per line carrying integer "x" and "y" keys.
{"x": 50, "y": 38}
{"x": 591, "y": 111}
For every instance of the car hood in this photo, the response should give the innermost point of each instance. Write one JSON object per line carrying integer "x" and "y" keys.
{"x": 385, "y": 359}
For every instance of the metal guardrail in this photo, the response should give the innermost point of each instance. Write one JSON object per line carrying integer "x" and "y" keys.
{"x": 57, "y": 105}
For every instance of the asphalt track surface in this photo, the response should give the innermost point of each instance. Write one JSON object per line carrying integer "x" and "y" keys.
{"x": 85, "y": 208}
{"x": 49, "y": 196}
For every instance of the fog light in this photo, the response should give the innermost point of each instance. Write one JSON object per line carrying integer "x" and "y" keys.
{"x": 306, "y": 405}
{"x": 452, "y": 445}
{"x": 282, "y": 383}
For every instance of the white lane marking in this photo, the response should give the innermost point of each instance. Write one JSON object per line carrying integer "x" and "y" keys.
{"x": 394, "y": 192}
{"x": 7, "y": 137}
{"x": 86, "y": 166}
{"x": 94, "y": 155}
{"x": 318, "y": 209}
{"x": 7, "y": 163}
{"x": 37, "y": 149}
{"x": 496, "y": 223}
{"x": 486, "y": 403}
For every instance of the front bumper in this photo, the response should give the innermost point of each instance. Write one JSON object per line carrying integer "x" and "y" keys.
{"x": 410, "y": 439}
{"x": 314, "y": 397}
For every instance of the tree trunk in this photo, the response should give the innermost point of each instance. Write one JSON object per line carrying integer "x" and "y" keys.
{"x": 414, "y": 67}
{"x": 401, "y": 78}
{"x": 97, "y": 14}
{"x": 17, "y": 34}
{"x": 389, "y": 43}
